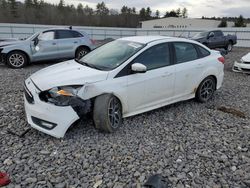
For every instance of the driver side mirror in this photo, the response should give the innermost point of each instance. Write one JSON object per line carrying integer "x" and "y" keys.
{"x": 138, "y": 68}
{"x": 36, "y": 41}
{"x": 211, "y": 35}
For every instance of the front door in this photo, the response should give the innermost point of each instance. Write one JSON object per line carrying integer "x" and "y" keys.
{"x": 156, "y": 86}
{"x": 47, "y": 47}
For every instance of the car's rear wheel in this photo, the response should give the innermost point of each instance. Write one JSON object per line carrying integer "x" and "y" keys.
{"x": 206, "y": 89}
{"x": 82, "y": 51}
{"x": 229, "y": 47}
{"x": 17, "y": 59}
{"x": 107, "y": 113}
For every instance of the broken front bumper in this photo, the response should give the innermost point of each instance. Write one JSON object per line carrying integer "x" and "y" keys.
{"x": 2, "y": 57}
{"x": 46, "y": 117}
{"x": 241, "y": 67}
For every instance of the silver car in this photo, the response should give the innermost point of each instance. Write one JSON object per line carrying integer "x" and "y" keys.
{"x": 51, "y": 44}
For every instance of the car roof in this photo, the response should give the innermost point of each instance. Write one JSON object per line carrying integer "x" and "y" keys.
{"x": 145, "y": 39}
{"x": 57, "y": 28}
{"x": 149, "y": 39}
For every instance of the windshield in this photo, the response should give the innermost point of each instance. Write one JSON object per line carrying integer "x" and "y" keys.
{"x": 111, "y": 55}
{"x": 201, "y": 35}
{"x": 32, "y": 36}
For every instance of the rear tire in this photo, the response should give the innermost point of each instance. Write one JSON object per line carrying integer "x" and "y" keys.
{"x": 107, "y": 113}
{"x": 81, "y": 51}
{"x": 229, "y": 47}
{"x": 17, "y": 60}
{"x": 206, "y": 89}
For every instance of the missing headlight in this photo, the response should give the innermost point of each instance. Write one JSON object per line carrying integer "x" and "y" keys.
{"x": 80, "y": 106}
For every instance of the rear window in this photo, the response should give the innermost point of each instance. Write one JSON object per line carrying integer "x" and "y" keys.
{"x": 203, "y": 51}
{"x": 185, "y": 52}
{"x": 64, "y": 34}
{"x": 76, "y": 34}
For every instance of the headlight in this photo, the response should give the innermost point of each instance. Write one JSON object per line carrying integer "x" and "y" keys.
{"x": 60, "y": 96}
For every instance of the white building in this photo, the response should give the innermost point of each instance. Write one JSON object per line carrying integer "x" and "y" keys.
{"x": 173, "y": 22}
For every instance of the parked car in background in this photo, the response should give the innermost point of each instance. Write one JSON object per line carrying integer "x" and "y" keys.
{"x": 216, "y": 39}
{"x": 50, "y": 44}
{"x": 122, "y": 78}
{"x": 244, "y": 64}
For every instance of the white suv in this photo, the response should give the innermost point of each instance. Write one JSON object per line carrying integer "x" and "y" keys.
{"x": 122, "y": 78}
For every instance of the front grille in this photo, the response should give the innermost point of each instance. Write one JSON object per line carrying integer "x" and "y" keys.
{"x": 28, "y": 95}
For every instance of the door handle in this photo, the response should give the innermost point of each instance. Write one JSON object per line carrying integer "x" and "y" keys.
{"x": 166, "y": 74}
{"x": 199, "y": 65}
{"x": 75, "y": 42}
{"x": 54, "y": 43}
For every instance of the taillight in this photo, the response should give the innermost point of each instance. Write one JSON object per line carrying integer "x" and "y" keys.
{"x": 222, "y": 60}
{"x": 93, "y": 41}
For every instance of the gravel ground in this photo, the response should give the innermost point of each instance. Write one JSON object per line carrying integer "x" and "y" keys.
{"x": 191, "y": 144}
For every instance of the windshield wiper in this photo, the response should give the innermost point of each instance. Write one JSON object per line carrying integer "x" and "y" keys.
{"x": 87, "y": 64}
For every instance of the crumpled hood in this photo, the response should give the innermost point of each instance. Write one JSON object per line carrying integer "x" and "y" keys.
{"x": 10, "y": 43}
{"x": 65, "y": 74}
{"x": 246, "y": 58}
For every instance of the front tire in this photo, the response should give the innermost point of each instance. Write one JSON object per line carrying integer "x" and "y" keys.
{"x": 17, "y": 60}
{"x": 206, "y": 89}
{"x": 107, "y": 113}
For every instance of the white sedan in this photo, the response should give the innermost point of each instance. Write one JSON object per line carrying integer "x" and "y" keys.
{"x": 123, "y": 78}
{"x": 244, "y": 64}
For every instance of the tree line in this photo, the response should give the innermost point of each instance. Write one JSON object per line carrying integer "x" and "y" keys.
{"x": 41, "y": 12}
{"x": 238, "y": 21}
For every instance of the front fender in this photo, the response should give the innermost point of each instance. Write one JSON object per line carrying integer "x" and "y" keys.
{"x": 24, "y": 47}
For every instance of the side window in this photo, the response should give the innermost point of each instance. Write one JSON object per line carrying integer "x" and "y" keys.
{"x": 203, "y": 51}
{"x": 64, "y": 34}
{"x": 155, "y": 57}
{"x": 218, "y": 33}
{"x": 76, "y": 34}
{"x": 49, "y": 35}
{"x": 185, "y": 52}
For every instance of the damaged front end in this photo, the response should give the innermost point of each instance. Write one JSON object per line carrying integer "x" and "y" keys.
{"x": 53, "y": 111}
{"x": 67, "y": 96}
{"x": 242, "y": 66}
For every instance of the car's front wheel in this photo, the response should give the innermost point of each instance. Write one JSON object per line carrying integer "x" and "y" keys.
{"x": 206, "y": 89}
{"x": 107, "y": 113}
{"x": 17, "y": 59}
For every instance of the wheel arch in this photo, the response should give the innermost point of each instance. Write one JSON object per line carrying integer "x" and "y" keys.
{"x": 107, "y": 93}
{"x": 211, "y": 75}
{"x": 230, "y": 41}
{"x": 18, "y": 50}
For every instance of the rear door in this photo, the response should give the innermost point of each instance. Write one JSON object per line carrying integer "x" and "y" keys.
{"x": 67, "y": 43}
{"x": 189, "y": 68}
{"x": 47, "y": 47}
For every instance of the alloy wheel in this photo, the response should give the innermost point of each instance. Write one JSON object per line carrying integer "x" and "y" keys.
{"x": 81, "y": 54}
{"x": 207, "y": 89}
{"x": 114, "y": 112}
{"x": 16, "y": 60}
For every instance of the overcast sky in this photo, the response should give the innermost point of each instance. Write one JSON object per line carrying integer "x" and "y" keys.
{"x": 196, "y": 8}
